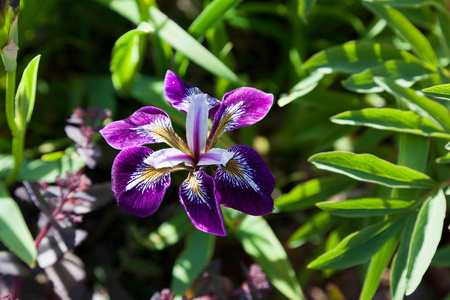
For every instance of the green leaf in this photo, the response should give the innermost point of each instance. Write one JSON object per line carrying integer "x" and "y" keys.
{"x": 400, "y": 2}
{"x": 405, "y": 73}
{"x": 442, "y": 257}
{"x": 366, "y": 207}
{"x": 178, "y": 38}
{"x": 400, "y": 261}
{"x": 317, "y": 225}
{"x": 359, "y": 246}
{"x": 128, "y": 9}
{"x": 425, "y": 240}
{"x": 367, "y": 167}
{"x": 354, "y": 57}
{"x": 304, "y": 8}
{"x": 406, "y": 30}
{"x": 14, "y": 232}
{"x": 391, "y": 119}
{"x": 439, "y": 91}
{"x": 308, "y": 193}
{"x": 169, "y": 232}
{"x": 126, "y": 58}
{"x": 302, "y": 88}
{"x": 261, "y": 243}
{"x": 417, "y": 103}
{"x": 214, "y": 12}
{"x": 26, "y": 94}
{"x": 443, "y": 159}
{"x": 444, "y": 26}
{"x": 376, "y": 268}
{"x": 197, "y": 253}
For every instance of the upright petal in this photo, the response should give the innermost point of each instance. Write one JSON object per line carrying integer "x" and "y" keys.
{"x": 239, "y": 108}
{"x": 138, "y": 187}
{"x": 245, "y": 183}
{"x": 197, "y": 198}
{"x": 147, "y": 125}
{"x": 197, "y": 124}
{"x": 178, "y": 94}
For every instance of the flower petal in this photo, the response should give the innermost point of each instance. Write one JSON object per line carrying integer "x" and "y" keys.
{"x": 197, "y": 198}
{"x": 239, "y": 108}
{"x": 197, "y": 124}
{"x": 245, "y": 183}
{"x": 138, "y": 187}
{"x": 147, "y": 125}
{"x": 215, "y": 156}
{"x": 168, "y": 158}
{"x": 178, "y": 94}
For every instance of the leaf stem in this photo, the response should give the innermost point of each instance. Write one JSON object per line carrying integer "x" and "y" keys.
{"x": 10, "y": 91}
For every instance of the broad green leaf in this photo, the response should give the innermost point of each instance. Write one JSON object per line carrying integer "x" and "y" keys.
{"x": 354, "y": 57}
{"x": 439, "y": 91}
{"x": 260, "y": 242}
{"x": 26, "y": 94}
{"x": 182, "y": 41}
{"x": 426, "y": 236}
{"x": 210, "y": 15}
{"x": 302, "y": 88}
{"x": 197, "y": 252}
{"x": 304, "y": 8}
{"x": 367, "y": 167}
{"x": 359, "y": 246}
{"x": 169, "y": 232}
{"x": 366, "y": 207}
{"x": 126, "y": 58}
{"x": 405, "y": 29}
{"x": 405, "y": 73}
{"x": 376, "y": 268}
{"x": 306, "y": 194}
{"x": 391, "y": 119}
{"x": 14, "y": 232}
{"x": 417, "y": 103}
{"x": 442, "y": 257}
{"x": 317, "y": 225}
{"x": 400, "y": 2}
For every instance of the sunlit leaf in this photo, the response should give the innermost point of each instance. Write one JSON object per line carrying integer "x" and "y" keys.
{"x": 366, "y": 207}
{"x": 367, "y": 167}
{"x": 317, "y": 225}
{"x": 178, "y": 38}
{"x": 260, "y": 242}
{"x": 197, "y": 253}
{"x": 405, "y": 73}
{"x": 14, "y": 232}
{"x": 439, "y": 91}
{"x": 405, "y": 29}
{"x": 126, "y": 58}
{"x": 308, "y": 193}
{"x": 443, "y": 159}
{"x": 359, "y": 246}
{"x": 354, "y": 57}
{"x": 26, "y": 94}
{"x": 425, "y": 239}
{"x": 417, "y": 103}
{"x": 302, "y": 88}
{"x": 391, "y": 119}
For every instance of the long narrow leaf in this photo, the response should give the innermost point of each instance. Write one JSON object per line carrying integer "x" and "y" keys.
{"x": 366, "y": 207}
{"x": 178, "y": 38}
{"x": 367, "y": 167}
{"x": 439, "y": 91}
{"x": 260, "y": 242}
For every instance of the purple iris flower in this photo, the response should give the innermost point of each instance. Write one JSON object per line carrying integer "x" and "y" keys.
{"x": 242, "y": 180}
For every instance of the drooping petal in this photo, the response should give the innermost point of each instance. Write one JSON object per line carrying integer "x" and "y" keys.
{"x": 178, "y": 94}
{"x": 215, "y": 156}
{"x": 147, "y": 125}
{"x": 197, "y": 124}
{"x": 239, "y": 108}
{"x": 138, "y": 187}
{"x": 197, "y": 198}
{"x": 245, "y": 183}
{"x": 168, "y": 158}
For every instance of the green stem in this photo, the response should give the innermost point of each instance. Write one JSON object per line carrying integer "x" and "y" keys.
{"x": 10, "y": 91}
{"x": 18, "y": 144}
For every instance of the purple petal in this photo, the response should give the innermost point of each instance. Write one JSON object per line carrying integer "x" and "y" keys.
{"x": 138, "y": 187}
{"x": 245, "y": 183}
{"x": 178, "y": 94}
{"x": 197, "y": 198}
{"x": 169, "y": 157}
{"x": 215, "y": 156}
{"x": 147, "y": 125}
{"x": 239, "y": 108}
{"x": 197, "y": 124}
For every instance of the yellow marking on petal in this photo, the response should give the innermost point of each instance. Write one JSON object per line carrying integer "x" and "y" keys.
{"x": 228, "y": 115}
{"x": 146, "y": 176}
{"x": 169, "y": 136}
